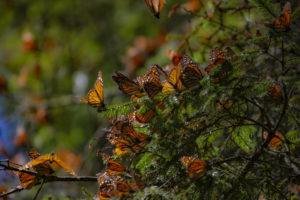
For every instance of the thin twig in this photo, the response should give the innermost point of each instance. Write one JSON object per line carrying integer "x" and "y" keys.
{"x": 14, "y": 190}
{"x": 40, "y": 188}
{"x": 7, "y": 167}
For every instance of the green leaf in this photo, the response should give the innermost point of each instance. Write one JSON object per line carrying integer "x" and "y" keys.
{"x": 293, "y": 136}
{"x": 243, "y": 137}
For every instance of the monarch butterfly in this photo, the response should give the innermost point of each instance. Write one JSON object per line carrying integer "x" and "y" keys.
{"x": 226, "y": 103}
{"x": 190, "y": 73}
{"x": 274, "y": 91}
{"x": 124, "y": 130}
{"x": 218, "y": 57}
{"x": 122, "y": 146}
{"x": 117, "y": 125}
{"x": 118, "y": 140}
{"x": 128, "y": 131}
{"x": 275, "y": 141}
{"x": 175, "y": 57}
{"x": 195, "y": 167}
{"x": 173, "y": 81}
{"x": 151, "y": 82}
{"x": 155, "y": 6}
{"x": 145, "y": 117}
{"x": 50, "y": 158}
{"x": 95, "y": 95}
{"x": 29, "y": 180}
{"x": 106, "y": 185}
{"x": 122, "y": 187}
{"x": 43, "y": 168}
{"x": 112, "y": 166}
{"x": 282, "y": 23}
{"x": 127, "y": 85}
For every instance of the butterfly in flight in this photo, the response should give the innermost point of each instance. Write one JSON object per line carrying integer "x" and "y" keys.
{"x": 155, "y": 6}
{"x": 95, "y": 95}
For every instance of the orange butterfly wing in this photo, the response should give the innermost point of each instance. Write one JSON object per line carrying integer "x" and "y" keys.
{"x": 128, "y": 86}
{"x": 282, "y": 23}
{"x": 174, "y": 78}
{"x": 33, "y": 154}
{"x": 173, "y": 81}
{"x": 190, "y": 73}
{"x": 275, "y": 141}
{"x": 128, "y": 131}
{"x": 145, "y": 117}
{"x": 106, "y": 186}
{"x": 155, "y": 6}
{"x": 112, "y": 166}
{"x": 50, "y": 158}
{"x": 167, "y": 87}
{"x": 217, "y": 56}
{"x": 95, "y": 96}
{"x": 195, "y": 167}
{"x": 122, "y": 187}
{"x": 26, "y": 180}
{"x": 152, "y": 88}
{"x": 43, "y": 168}
{"x": 123, "y": 147}
{"x": 151, "y": 83}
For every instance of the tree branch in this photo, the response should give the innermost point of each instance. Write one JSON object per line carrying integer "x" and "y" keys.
{"x": 48, "y": 179}
{"x": 45, "y": 178}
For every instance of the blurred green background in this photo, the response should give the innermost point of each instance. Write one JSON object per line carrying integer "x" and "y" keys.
{"x": 50, "y": 54}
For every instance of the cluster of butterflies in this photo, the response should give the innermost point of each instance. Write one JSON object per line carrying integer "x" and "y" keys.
{"x": 117, "y": 181}
{"x": 185, "y": 75}
{"x": 40, "y": 164}
{"x": 124, "y": 137}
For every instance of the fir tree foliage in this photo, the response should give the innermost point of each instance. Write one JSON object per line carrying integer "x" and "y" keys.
{"x": 231, "y": 118}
